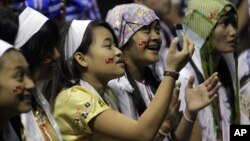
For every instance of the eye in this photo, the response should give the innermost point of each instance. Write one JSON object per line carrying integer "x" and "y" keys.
{"x": 19, "y": 76}
{"x": 157, "y": 29}
{"x": 108, "y": 45}
{"x": 145, "y": 29}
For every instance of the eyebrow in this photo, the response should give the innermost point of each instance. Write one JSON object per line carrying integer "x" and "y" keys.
{"x": 20, "y": 68}
{"x": 108, "y": 39}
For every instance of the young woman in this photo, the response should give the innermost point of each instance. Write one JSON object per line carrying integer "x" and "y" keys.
{"x": 37, "y": 39}
{"x": 212, "y": 25}
{"x": 138, "y": 29}
{"x": 15, "y": 89}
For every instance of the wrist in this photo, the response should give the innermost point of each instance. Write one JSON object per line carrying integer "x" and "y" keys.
{"x": 171, "y": 73}
{"x": 189, "y": 116}
{"x": 170, "y": 68}
{"x": 162, "y": 133}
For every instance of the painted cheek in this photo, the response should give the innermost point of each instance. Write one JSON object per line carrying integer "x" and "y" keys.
{"x": 109, "y": 60}
{"x": 17, "y": 89}
{"x": 142, "y": 43}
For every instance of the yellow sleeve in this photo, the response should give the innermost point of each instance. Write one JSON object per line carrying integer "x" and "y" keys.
{"x": 74, "y": 109}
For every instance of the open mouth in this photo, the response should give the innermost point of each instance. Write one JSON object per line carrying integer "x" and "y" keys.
{"x": 153, "y": 48}
{"x": 120, "y": 61}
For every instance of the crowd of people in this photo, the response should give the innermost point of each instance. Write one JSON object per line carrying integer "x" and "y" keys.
{"x": 66, "y": 73}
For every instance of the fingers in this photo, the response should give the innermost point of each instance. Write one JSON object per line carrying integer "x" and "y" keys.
{"x": 190, "y": 82}
{"x": 176, "y": 93}
{"x": 213, "y": 98}
{"x": 213, "y": 91}
{"x": 185, "y": 43}
{"x": 190, "y": 47}
{"x": 210, "y": 79}
{"x": 177, "y": 105}
{"x": 178, "y": 84}
{"x": 173, "y": 44}
{"x": 213, "y": 83}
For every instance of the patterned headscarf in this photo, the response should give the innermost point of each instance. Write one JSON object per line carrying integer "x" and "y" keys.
{"x": 127, "y": 19}
{"x": 203, "y": 15}
{"x": 201, "y": 18}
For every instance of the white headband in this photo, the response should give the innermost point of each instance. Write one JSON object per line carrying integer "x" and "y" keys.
{"x": 30, "y": 21}
{"x": 75, "y": 35}
{"x": 4, "y": 46}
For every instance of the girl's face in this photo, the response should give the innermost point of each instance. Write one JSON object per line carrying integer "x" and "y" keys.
{"x": 15, "y": 84}
{"x": 104, "y": 59}
{"x": 48, "y": 67}
{"x": 224, "y": 35}
{"x": 146, "y": 45}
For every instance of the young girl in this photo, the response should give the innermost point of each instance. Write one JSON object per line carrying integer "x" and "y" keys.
{"x": 138, "y": 30}
{"x": 15, "y": 89}
{"x": 36, "y": 38}
{"x": 83, "y": 109}
{"x": 212, "y": 25}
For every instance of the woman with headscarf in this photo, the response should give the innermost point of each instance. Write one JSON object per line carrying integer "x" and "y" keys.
{"x": 137, "y": 28}
{"x": 212, "y": 25}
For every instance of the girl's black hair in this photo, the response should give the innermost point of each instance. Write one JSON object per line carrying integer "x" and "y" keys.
{"x": 69, "y": 71}
{"x": 40, "y": 45}
{"x": 9, "y": 24}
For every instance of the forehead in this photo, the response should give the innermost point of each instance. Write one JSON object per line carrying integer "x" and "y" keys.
{"x": 12, "y": 59}
{"x": 100, "y": 33}
{"x": 152, "y": 24}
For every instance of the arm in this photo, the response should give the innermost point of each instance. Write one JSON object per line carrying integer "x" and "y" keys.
{"x": 196, "y": 99}
{"x": 172, "y": 117}
{"x": 116, "y": 125}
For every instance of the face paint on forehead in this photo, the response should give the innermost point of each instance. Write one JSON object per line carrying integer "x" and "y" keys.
{"x": 109, "y": 60}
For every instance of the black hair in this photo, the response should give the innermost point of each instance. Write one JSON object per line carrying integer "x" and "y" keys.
{"x": 40, "y": 45}
{"x": 69, "y": 71}
{"x": 9, "y": 24}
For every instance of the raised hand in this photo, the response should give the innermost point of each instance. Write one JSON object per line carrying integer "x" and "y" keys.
{"x": 173, "y": 110}
{"x": 201, "y": 96}
{"x": 176, "y": 60}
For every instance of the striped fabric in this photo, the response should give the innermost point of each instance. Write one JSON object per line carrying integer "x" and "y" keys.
{"x": 74, "y": 9}
{"x": 82, "y": 9}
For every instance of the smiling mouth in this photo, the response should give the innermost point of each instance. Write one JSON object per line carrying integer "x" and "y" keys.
{"x": 153, "y": 48}
{"x": 120, "y": 61}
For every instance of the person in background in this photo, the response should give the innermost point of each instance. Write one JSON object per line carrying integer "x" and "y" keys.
{"x": 212, "y": 25}
{"x": 244, "y": 66}
{"x": 15, "y": 90}
{"x": 36, "y": 37}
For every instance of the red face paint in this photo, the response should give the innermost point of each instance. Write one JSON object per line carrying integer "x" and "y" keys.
{"x": 109, "y": 60}
{"x": 47, "y": 61}
{"x": 142, "y": 43}
{"x": 17, "y": 89}
{"x": 47, "y": 58}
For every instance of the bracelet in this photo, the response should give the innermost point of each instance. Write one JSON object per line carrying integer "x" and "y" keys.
{"x": 162, "y": 133}
{"x": 189, "y": 120}
{"x": 173, "y": 74}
